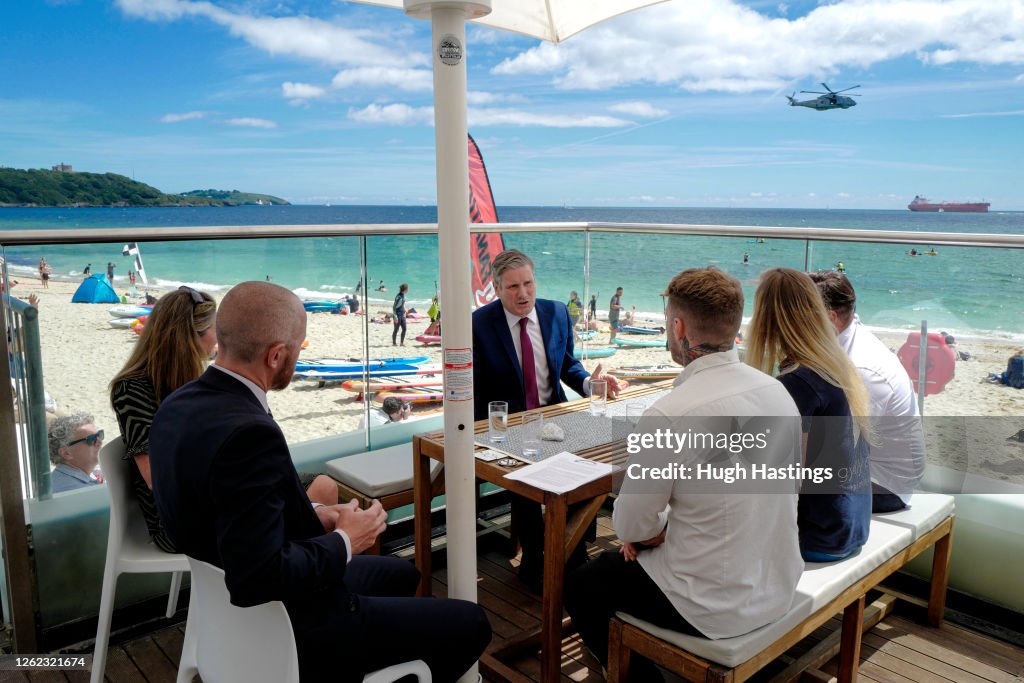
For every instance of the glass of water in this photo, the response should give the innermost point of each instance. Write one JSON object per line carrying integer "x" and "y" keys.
{"x": 634, "y": 410}
{"x": 533, "y": 424}
{"x": 497, "y": 421}
{"x": 598, "y": 397}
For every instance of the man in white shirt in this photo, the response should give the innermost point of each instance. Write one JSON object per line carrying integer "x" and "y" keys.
{"x": 898, "y": 454}
{"x": 707, "y": 561}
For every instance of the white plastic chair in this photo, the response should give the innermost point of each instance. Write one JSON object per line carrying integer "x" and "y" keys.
{"x": 129, "y": 549}
{"x": 228, "y": 644}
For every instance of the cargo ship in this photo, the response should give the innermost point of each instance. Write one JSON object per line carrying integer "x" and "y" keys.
{"x": 922, "y": 204}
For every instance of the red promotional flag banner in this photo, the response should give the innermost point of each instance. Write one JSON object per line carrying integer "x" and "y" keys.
{"x": 482, "y": 210}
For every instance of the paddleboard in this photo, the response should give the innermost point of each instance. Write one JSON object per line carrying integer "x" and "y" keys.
{"x": 412, "y": 395}
{"x": 646, "y": 371}
{"x": 428, "y": 339}
{"x": 322, "y": 306}
{"x": 129, "y": 311}
{"x": 324, "y": 376}
{"x": 355, "y": 364}
{"x": 586, "y": 334}
{"x": 121, "y": 323}
{"x": 388, "y": 383}
{"x": 640, "y": 343}
{"x": 590, "y": 352}
{"x": 632, "y": 329}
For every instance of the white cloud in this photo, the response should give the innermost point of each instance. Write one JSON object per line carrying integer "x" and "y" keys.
{"x": 300, "y": 36}
{"x": 404, "y": 115}
{"x": 186, "y": 116}
{"x": 393, "y": 115}
{"x": 643, "y": 110}
{"x": 250, "y": 122}
{"x": 515, "y": 117}
{"x": 721, "y": 45}
{"x": 1016, "y": 112}
{"x": 301, "y": 92}
{"x": 385, "y": 77}
{"x": 479, "y": 98}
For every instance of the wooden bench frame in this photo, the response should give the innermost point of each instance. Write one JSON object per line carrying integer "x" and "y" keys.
{"x": 390, "y": 501}
{"x": 625, "y": 639}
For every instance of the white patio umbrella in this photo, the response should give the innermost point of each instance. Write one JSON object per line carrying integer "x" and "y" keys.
{"x": 553, "y": 20}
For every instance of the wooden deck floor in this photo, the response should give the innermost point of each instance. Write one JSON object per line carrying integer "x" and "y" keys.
{"x": 898, "y": 650}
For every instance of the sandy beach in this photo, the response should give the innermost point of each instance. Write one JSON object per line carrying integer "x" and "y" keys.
{"x": 82, "y": 352}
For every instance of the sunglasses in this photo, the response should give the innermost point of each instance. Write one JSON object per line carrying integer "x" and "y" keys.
{"x": 196, "y": 296}
{"x": 89, "y": 440}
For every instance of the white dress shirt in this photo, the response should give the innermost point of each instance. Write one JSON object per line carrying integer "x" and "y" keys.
{"x": 898, "y": 456}
{"x": 261, "y": 396}
{"x": 730, "y": 562}
{"x": 540, "y": 357}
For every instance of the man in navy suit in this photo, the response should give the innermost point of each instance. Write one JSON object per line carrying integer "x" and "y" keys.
{"x": 228, "y": 494}
{"x": 516, "y": 326}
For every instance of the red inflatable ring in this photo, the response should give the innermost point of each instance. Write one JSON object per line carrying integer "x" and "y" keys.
{"x": 940, "y": 361}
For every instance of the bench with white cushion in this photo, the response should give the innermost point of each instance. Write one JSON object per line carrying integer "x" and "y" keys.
{"x": 385, "y": 474}
{"x": 823, "y": 590}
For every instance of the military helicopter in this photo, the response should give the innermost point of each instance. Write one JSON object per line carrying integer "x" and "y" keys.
{"x": 828, "y": 100}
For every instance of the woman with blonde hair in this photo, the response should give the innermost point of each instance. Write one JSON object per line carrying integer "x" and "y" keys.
{"x": 790, "y": 334}
{"x": 178, "y": 340}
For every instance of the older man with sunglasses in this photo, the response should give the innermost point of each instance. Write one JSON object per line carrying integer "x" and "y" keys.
{"x": 75, "y": 450}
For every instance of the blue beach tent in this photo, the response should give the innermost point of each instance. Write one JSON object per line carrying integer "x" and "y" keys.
{"x": 95, "y": 290}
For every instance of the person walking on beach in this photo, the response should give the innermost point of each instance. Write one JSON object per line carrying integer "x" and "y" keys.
{"x": 593, "y": 307}
{"x": 88, "y": 270}
{"x": 131, "y": 282}
{"x": 614, "y": 306}
{"x": 44, "y": 272}
{"x": 110, "y": 272}
{"x": 575, "y": 308}
{"x": 398, "y": 308}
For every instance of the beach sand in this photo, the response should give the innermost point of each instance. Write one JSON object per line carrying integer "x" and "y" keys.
{"x": 82, "y": 352}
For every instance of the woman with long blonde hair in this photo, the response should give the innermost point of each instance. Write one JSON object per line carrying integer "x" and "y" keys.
{"x": 177, "y": 342}
{"x": 790, "y": 335}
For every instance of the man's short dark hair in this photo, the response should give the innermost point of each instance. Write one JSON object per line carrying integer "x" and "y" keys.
{"x": 711, "y": 301}
{"x": 836, "y": 291}
{"x": 509, "y": 259}
{"x": 392, "y": 405}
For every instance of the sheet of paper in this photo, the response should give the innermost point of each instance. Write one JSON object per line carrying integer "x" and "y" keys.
{"x": 561, "y": 473}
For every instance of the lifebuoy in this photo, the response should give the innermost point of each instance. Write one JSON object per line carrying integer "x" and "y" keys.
{"x": 940, "y": 361}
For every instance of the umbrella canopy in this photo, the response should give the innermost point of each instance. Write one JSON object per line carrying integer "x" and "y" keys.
{"x": 551, "y": 20}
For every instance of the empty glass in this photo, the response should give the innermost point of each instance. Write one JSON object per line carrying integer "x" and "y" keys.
{"x": 634, "y": 410}
{"x": 497, "y": 421}
{"x": 533, "y": 424}
{"x": 598, "y": 397}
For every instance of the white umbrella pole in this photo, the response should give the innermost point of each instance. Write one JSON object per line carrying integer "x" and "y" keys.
{"x": 448, "y": 20}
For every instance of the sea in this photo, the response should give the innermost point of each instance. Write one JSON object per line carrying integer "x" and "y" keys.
{"x": 963, "y": 291}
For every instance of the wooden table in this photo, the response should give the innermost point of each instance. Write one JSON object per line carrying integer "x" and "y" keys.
{"x": 562, "y": 531}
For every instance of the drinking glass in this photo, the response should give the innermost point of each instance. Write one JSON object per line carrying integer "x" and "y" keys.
{"x": 634, "y": 410}
{"x": 598, "y": 397}
{"x": 533, "y": 423}
{"x": 497, "y": 421}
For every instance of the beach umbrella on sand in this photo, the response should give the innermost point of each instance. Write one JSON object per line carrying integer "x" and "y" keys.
{"x": 553, "y": 20}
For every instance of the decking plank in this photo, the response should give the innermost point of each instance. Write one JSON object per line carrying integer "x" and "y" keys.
{"x": 170, "y": 641}
{"x": 986, "y": 657}
{"x": 148, "y": 657}
{"x": 949, "y": 671}
{"x": 47, "y": 676}
{"x": 121, "y": 668}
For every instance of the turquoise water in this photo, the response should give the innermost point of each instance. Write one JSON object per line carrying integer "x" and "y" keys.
{"x": 964, "y": 291}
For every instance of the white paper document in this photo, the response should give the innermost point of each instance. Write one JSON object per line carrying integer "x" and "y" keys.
{"x": 561, "y": 472}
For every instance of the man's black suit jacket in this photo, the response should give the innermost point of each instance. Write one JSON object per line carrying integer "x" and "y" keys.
{"x": 228, "y": 493}
{"x": 497, "y": 373}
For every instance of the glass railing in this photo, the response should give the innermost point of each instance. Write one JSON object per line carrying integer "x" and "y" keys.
{"x": 966, "y": 286}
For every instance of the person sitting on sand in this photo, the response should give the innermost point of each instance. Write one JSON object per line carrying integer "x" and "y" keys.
{"x": 381, "y": 287}
{"x": 392, "y": 410}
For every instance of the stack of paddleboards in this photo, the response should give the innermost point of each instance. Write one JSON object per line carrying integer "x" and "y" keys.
{"x": 646, "y": 372}
{"x": 413, "y": 395}
{"x": 126, "y": 316}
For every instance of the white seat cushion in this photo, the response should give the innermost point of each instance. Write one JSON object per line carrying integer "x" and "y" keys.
{"x": 378, "y": 473}
{"x": 924, "y": 514}
{"x": 820, "y": 583}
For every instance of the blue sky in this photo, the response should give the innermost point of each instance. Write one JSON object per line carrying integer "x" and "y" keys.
{"x": 681, "y": 104}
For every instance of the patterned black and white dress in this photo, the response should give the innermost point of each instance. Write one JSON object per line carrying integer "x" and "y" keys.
{"x": 134, "y": 402}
